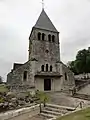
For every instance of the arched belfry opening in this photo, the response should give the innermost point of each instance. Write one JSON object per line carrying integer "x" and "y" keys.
{"x": 39, "y": 36}
{"x": 49, "y": 38}
{"x": 53, "y": 38}
{"x": 43, "y": 36}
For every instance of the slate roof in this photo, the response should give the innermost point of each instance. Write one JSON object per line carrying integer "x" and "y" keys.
{"x": 16, "y": 65}
{"x": 45, "y": 23}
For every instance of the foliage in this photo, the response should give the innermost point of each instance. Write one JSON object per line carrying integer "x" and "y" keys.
{"x": 27, "y": 94}
{"x": 79, "y": 115}
{"x": 1, "y": 80}
{"x": 2, "y": 100}
{"x": 43, "y": 97}
{"x": 82, "y": 62}
{"x": 3, "y": 88}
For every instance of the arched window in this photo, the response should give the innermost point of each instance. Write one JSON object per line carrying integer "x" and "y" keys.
{"x": 25, "y": 76}
{"x": 65, "y": 76}
{"x": 46, "y": 67}
{"x": 49, "y": 38}
{"x": 53, "y": 38}
{"x": 42, "y": 68}
{"x": 50, "y": 68}
{"x": 39, "y": 36}
{"x": 43, "y": 36}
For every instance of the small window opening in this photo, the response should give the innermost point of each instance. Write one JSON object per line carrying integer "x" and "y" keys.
{"x": 46, "y": 67}
{"x": 43, "y": 36}
{"x": 51, "y": 68}
{"x": 42, "y": 67}
{"x": 47, "y": 51}
{"x": 39, "y": 36}
{"x": 49, "y": 38}
{"x": 25, "y": 76}
{"x": 53, "y": 38}
{"x": 65, "y": 76}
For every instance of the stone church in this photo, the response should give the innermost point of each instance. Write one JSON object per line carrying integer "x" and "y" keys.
{"x": 44, "y": 70}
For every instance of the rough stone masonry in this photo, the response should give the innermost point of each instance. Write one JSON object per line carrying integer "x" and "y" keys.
{"x": 44, "y": 70}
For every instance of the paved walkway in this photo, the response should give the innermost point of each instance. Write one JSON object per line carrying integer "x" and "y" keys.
{"x": 38, "y": 117}
{"x": 65, "y": 100}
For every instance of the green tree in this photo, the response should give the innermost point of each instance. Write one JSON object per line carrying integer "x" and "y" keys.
{"x": 82, "y": 62}
{"x": 1, "y": 80}
{"x": 43, "y": 98}
{"x": 72, "y": 67}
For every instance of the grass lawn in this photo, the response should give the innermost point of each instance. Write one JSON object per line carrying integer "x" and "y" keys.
{"x": 80, "y": 115}
{"x": 3, "y": 88}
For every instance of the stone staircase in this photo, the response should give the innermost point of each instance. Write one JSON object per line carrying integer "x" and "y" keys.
{"x": 51, "y": 111}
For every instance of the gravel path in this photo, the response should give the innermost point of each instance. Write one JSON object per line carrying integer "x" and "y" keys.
{"x": 38, "y": 117}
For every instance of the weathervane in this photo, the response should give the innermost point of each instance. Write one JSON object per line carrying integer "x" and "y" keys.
{"x": 42, "y": 4}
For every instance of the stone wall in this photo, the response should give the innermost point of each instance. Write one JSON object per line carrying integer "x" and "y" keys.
{"x": 68, "y": 83}
{"x": 16, "y": 76}
{"x": 37, "y": 48}
{"x": 85, "y": 90}
{"x": 55, "y": 83}
{"x": 21, "y": 114}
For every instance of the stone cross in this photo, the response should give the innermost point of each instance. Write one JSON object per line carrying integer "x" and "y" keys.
{"x": 42, "y": 4}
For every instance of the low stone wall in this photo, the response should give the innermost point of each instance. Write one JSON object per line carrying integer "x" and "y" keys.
{"x": 82, "y": 96}
{"x": 82, "y": 86}
{"x": 21, "y": 114}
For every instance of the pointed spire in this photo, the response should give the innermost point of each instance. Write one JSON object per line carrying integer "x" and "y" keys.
{"x": 45, "y": 23}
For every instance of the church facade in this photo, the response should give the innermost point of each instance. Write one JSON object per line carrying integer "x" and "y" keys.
{"x": 44, "y": 70}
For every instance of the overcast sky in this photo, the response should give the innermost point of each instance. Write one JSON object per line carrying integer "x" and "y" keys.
{"x": 17, "y": 17}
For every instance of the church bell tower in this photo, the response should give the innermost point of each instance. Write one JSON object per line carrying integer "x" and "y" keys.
{"x": 44, "y": 41}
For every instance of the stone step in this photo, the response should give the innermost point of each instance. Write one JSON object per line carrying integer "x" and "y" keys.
{"x": 51, "y": 112}
{"x": 47, "y": 115}
{"x": 62, "y": 111}
{"x": 60, "y": 107}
